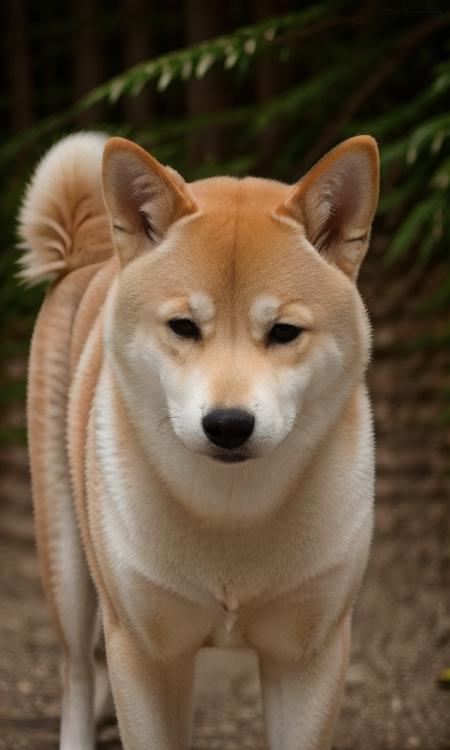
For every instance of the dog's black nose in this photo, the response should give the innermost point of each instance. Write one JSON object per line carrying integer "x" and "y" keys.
{"x": 228, "y": 428}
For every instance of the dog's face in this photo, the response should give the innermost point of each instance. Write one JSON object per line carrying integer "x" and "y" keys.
{"x": 236, "y": 318}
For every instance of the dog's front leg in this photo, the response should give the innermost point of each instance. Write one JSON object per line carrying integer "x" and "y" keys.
{"x": 153, "y": 697}
{"x": 302, "y": 699}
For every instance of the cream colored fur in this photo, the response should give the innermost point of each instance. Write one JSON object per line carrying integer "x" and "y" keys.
{"x": 134, "y": 504}
{"x": 62, "y": 222}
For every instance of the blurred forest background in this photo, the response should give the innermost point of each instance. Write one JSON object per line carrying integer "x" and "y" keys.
{"x": 263, "y": 87}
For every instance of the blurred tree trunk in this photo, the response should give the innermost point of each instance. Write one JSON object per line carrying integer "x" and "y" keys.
{"x": 88, "y": 59}
{"x": 272, "y": 76}
{"x": 52, "y": 63}
{"x": 139, "y": 44}
{"x": 204, "y": 20}
{"x": 18, "y": 66}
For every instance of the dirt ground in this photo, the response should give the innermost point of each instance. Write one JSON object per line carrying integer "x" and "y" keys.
{"x": 401, "y": 638}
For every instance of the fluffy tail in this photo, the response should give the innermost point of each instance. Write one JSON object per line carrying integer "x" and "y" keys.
{"x": 63, "y": 222}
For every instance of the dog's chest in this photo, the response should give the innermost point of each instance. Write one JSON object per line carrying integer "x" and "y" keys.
{"x": 228, "y": 631}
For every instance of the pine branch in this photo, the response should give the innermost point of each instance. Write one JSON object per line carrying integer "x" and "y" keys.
{"x": 359, "y": 97}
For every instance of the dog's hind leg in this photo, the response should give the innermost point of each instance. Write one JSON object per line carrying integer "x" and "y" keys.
{"x": 77, "y": 600}
{"x": 67, "y": 582}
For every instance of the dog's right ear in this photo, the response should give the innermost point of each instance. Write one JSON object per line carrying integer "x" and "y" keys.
{"x": 143, "y": 197}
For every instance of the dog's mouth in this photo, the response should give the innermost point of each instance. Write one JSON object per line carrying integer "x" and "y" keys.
{"x": 230, "y": 457}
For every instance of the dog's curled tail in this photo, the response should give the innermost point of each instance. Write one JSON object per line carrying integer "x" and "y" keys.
{"x": 63, "y": 223}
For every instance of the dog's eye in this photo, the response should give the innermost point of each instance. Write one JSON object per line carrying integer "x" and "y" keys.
{"x": 185, "y": 328}
{"x": 283, "y": 333}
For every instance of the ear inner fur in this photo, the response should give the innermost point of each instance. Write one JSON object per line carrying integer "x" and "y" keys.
{"x": 336, "y": 202}
{"x": 142, "y": 196}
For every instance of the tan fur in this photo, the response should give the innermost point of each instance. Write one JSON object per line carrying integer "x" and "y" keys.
{"x": 47, "y": 396}
{"x": 184, "y": 551}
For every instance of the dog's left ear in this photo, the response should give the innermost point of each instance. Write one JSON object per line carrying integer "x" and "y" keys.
{"x": 143, "y": 197}
{"x": 336, "y": 202}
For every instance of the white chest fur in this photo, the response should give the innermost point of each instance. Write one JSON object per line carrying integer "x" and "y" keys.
{"x": 155, "y": 548}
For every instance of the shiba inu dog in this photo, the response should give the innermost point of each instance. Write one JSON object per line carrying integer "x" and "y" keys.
{"x": 200, "y": 433}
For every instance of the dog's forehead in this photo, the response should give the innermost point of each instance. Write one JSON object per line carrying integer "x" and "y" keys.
{"x": 235, "y": 250}
{"x": 238, "y": 240}
{"x": 233, "y": 194}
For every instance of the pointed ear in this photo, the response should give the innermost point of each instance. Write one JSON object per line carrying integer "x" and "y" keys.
{"x": 336, "y": 202}
{"x": 142, "y": 196}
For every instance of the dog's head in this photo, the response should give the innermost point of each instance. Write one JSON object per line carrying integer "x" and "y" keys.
{"x": 236, "y": 320}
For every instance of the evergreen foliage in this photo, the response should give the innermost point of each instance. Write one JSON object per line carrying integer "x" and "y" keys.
{"x": 345, "y": 68}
